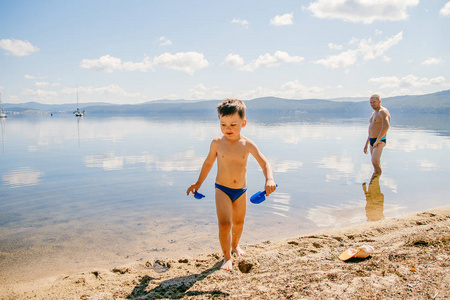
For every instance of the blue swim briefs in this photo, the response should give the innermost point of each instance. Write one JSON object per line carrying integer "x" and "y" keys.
{"x": 373, "y": 140}
{"x": 232, "y": 193}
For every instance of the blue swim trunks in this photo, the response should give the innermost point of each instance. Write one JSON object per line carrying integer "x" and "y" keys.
{"x": 373, "y": 140}
{"x": 232, "y": 193}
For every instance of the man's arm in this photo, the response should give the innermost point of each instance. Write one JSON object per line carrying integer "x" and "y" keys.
{"x": 366, "y": 145}
{"x": 384, "y": 127}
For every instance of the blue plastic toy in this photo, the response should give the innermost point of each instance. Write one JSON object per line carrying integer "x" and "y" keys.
{"x": 258, "y": 197}
{"x": 197, "y": 195}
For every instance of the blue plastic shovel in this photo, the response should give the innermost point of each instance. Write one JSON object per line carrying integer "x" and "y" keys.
{"x": 258, "y": 197}
{"x": 197, "y": 195}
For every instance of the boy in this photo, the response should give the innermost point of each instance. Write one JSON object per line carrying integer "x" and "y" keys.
{"x": 231, "y": 151}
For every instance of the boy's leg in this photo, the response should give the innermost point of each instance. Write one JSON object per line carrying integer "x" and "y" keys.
{"x": 224, "y": 217}
{"x": 239, "y": 207}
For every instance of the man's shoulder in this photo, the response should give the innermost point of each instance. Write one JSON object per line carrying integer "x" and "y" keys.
{"x": 385, "y": 111}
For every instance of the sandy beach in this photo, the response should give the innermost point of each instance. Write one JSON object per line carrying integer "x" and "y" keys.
{"x": 410, "y": 261}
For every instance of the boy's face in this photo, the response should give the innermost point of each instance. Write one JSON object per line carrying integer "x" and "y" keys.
{"x": 231, "y": 125}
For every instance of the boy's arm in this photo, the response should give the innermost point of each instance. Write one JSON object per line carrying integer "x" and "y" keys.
{"x": 270, "y": 186}
{"x": 207, "y": 166}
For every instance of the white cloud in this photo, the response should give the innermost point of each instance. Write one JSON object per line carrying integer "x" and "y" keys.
{"x": 163, "y": 41}
{"x": 365, "y": 48}
{"x": 335, "y": 47}
{"x": 244, "y": 23}
{"x": 18, "y": 47}
{"x": 339, "y": 61}
{"x": 143, "y": 66}
{"x": 39, "y": 93}
{"x": 200, "y": 91}
{"x": 294, "y": 89}
{"x": 187, "y": 62}
{"x": 110, "y": 90}
{"x": 445, "y": 11}
{"x": 362, "y": 11}
{"x": 286, "y": 19}
{"x": 290, "y": 90}
{"x": 41, "y": 84}
{"x": 268, "y": 60}
{"x": 432, "y": 61}
{"x": 108, "y": 63}
{"x": 29, "y": 76}
{"x": 234, "y": 60}
{"x": 44, "y": 84}
{"x": 370, "y": 50}
{"x": 409, "y": 81}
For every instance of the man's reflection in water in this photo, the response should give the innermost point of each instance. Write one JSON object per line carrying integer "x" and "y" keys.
{"x": 374, "y": 199}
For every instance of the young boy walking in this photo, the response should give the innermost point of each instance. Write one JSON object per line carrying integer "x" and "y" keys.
{"x": 231, "y": 151}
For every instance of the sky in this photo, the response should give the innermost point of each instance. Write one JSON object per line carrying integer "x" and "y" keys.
{"x": 128, "y": 52}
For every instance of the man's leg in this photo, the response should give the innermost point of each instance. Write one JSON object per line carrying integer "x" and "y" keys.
{"x": 239, "y": 207}
{"x": 376, "y": 157}
{"x": 224, "y": 217}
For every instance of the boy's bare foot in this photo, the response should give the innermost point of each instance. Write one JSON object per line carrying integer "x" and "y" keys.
{"x": 239, "y": 251}
{"x": 227, "y": 265}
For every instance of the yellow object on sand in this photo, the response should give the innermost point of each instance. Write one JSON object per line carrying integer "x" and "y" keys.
{"x": 361, "y": 252}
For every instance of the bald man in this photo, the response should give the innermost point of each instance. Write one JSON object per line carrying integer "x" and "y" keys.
{"x": 378, "y": 126}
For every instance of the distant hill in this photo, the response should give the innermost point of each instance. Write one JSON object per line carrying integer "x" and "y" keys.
{"x": 49, "y": 107}
{"x": 436, "y": 103}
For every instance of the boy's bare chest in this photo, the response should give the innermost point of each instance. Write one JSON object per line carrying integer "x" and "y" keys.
{"x": 229, "y": 153}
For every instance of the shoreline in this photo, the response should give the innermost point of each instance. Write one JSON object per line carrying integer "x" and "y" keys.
{"x": 411, "y": 260}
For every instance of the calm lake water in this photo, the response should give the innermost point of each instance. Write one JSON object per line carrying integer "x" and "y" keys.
{"x": 99, "y": 192}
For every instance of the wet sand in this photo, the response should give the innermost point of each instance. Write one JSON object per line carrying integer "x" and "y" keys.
{"x": 411, "y": 261}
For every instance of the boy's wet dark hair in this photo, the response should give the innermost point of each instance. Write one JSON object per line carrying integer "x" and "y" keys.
{"x": 230, "y": 107}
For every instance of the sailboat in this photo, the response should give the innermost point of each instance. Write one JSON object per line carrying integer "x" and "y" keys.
{"x": 78, "y": 112}
{"x": 2, "y": 112}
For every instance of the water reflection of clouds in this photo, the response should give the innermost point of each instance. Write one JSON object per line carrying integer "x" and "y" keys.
{"x": 343, "y": 168}
{"x": 389, "y": 182}
{"x": 283, "y": 166}
{"x": 409, "y": 141}
{"x": 427, "y": 165}
{"x": 288, "y": 133}
{"x": 22, "y": 177}
{"x": 280, "y": 203}
{"x": 108, "y": 161}
{"x": 186, "y": 161}
{"x": 346, "y": 214}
